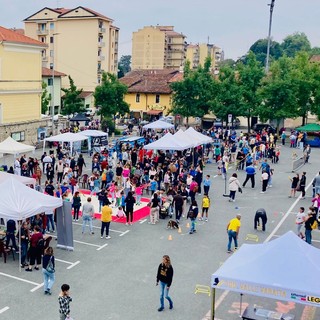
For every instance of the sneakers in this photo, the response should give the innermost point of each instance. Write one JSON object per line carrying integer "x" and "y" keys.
{"x": 200, "y": 219}
{"x": 108, "y": 237}
{"x": 262, "y": 192}
{"x": 190, "y": 232}
{"x": 206, "y": 220}
{"x": 160, "y": 309}
{"x": 127, "y": 223}
{"x": 101, "y": 237}
{"x": 171, "y": 306}
{"x": 92, "y": 232}
{"x": 229, "y": 251}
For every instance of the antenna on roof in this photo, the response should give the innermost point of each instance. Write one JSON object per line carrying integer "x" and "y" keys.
{"x": 58, "y": 4}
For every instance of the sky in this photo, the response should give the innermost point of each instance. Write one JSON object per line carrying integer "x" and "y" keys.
{"x": 233, "y": 25}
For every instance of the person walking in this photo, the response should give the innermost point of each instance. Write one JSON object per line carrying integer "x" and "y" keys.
{"x": 192, "y": 215}
{"x": 303, "y": 182}
{"x": 87, "y": 215}
{"x": 264, "y": 180}
{"x": 233, "y": 229}
{"x": 234, "y": 186}
{"x": 64, "y": 302}
{"x": 129, "y": 201}
{"x": 251, "y": 171}
{"x": 260, "y": 214}
{"x": 76, "y": 203}
{"x": 154, "y": 208}
{"x": 106, "y": 218}
{"x": 205, "y": 207}
{"x": 300, "y": 219}
{"x": 164, "y": 277}
{"x": 308, "y": 224}
{"x": 48, "y": 270}
{"x": 178, "y": 205}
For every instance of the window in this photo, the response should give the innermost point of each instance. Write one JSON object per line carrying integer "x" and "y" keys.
{"x": 43, "y": 39}
{"x": 51, "y": 25}
{"x": 51, "y": 53}
{"x": 50, "y": 82}
{"x": 157, "y": 98}
{"x": 18, "y": 136}
{"x": 138, "y": 97}
{"x": 51, "y": 65}
{"x": 51, "y": 39}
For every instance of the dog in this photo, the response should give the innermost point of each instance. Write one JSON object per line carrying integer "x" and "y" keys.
{"x": 172, "y": 224}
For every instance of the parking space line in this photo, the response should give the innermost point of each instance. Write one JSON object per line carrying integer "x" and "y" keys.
{"x": 143, "y": 221}
{"x": 73, "y": 265}
{"x": 102, "y": 247}
{"x": 20, "y": 279}
{"x": 95, "y": 227}
{"x": 123, "y": 233}
{"x": 86, "y": 243}
{"x": 37, "y": 287}
{"x": 63, "y": 261}
{"x": 4, "y": 309}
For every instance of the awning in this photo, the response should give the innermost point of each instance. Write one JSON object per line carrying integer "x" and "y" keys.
{"x": 154, "y": 112}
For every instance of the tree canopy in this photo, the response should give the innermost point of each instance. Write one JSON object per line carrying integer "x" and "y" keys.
{"x": 124, "y": 65}
{"x": 72, "y": 103}
{"x": 45, "y": 99}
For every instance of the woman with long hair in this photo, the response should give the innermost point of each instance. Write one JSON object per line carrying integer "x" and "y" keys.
{"x": 48, "y": 270}
{"x": 129, "y": 201}
{"x": 76, "y": 203}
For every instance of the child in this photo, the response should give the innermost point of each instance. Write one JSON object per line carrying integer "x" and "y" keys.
{"x": 64, "y": 302}
{"x": 120, "y": 213}
{"x": 122, "y": 200}
{"x": 206, "y": 184}
{"x": 205, "y": 207}
{"x": 139, "y": 190}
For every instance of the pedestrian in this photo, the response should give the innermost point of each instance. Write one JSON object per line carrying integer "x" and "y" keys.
{"x": 154, "y": 208}
{"x": 300, "y": 219}
{"x": 316, "y": 202}
{"x": 36, "y": 248}
{"x": 64, "y": 302}
{"x": 48, "y": 270}
{"x": 205, "y": 207}
{"x": 24, "y": 238}
{"x": 76, "y": 203}
{"x": 283, "y": 137}
{"x": 178, "y": 205}
{"x": 302, "y": 185}
{"x": 11, "y": 234}
{"x": 233, "y": 229}
{"x": 251, "y": 171}
{"x": 130, "y": 201}
{"x": 164, "y": 277}
{"x": 106, "y": 218}
{"x": 234, "y": 186}
{"x": 87, "y": 215}
{"x": 192, "y": 215}
{"x": 206, "y": 184}
{"x": 264, "y": 180}
{"x": 309, "y": 224}
{"x": 260, "y": 214}
{"x": 294, "y": 185}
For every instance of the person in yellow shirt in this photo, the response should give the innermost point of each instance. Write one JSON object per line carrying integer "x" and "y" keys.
{"x": 205, "y": 207}
{"x": 106, "y": 218}
{"x": 233, "y": 229}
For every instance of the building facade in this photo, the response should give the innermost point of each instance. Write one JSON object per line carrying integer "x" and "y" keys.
{"x": 197, "y": 54}
{"x": 20, "y": 86}
{"x": 158, "y": 47}
{"x": 81, "y": 43}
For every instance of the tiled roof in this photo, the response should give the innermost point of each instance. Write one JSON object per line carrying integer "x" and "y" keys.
{"x": 149, "y": 81}
{"x": 7, "y": 35}
{"x": 46, "y": 72}
{"x": 97, "y": 14}
{"x": 20, "y": 31}
{"x": 85, "y": 94}
{"x": 315, "y": 58}
{"x": 174, "y": 34}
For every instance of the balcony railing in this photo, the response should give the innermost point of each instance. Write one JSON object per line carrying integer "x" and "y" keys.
{"x": 42, "y": 32}
{"x": 101, "y": 44}
{"x": 101, "y": 58}
{"x": 102, "y": 30}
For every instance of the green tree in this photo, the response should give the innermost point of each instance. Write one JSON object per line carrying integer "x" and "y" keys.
{"x": 259, "y": 48}
{"x": 295, "y": 43}
{"x": 45, "y": 99}
{"x": 278, "y": 93}
{"x": 72, "y": 103}
{"x": 249, "y": 78}
{"x": 109, "y": 96}
{"x": 124, "y": 65}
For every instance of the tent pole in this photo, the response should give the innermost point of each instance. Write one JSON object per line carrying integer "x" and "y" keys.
{"x": 213, "y": 302}
{"x": 241, "y": 294}
{"x": 19, "y": 233}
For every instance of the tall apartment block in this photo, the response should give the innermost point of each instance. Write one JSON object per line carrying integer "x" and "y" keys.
{"x": 197, "y": 54}
{"x": 158, "y": 47}
{"x": 81, "y": 43}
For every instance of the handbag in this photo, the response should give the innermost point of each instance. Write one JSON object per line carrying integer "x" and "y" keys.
{"x": 240, "y": 190}
{"x": 50, "y": 267}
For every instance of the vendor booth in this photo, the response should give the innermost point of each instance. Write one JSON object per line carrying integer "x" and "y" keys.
{"x": 272, "y": 270}
{"x": 12, "y": 146}
{"x": 313, "y": 134}
{"x": 159, "y": 124}
{"x": 96, "y": 139}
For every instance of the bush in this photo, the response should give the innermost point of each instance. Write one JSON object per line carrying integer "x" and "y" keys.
{"x": 107, "y": 123}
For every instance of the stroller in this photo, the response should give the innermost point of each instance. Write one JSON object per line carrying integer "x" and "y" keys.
{"x": 166, "y": 209}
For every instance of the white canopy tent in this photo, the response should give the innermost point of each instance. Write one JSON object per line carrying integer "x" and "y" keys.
{"x": 12, "y": 146}
{"x": 194, "y": 134}
{"x": 66, "y": 137}
{"x": 96, "y": 138}
{"x": 167, "y": 142}
{"x": 158, "y": 124}
{"x": 270, "y": 270}
{"x": 25, "y": 180}
{"x": 93, "y": 133}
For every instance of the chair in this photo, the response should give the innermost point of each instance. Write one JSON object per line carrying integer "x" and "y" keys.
{"x": 6, "y": 251}
{"x": 84, "y": 181}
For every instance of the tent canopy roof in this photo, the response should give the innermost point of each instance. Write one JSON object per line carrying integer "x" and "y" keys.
{"x": 167, "y": 142}
{"x": 310, "y": 127}
{"x": 12, "y": 146}
{"x": 67, "y": 137}
{"x": 19, "y": 202}
{"x": 93, "y": 133}
{"x": 25, "y": 180}
{"x": 159, "y": 124}
{"x": 276, "y": 265}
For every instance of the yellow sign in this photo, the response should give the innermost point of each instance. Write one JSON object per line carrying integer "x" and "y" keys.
{"x": 157, "y": 107}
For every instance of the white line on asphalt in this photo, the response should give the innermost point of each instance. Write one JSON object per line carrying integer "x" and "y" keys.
{"x": 37, "y": 287}
{"x": 73, "y": 265}
{"x": 20, "y": 279}
{"x": 123, "y": 233}
{"x": 87, "y": 243}
{"x": 4, "y": 309}
{"x": 143, "y": 221}
{"x": 63, "y": 261}
{"x": 95, "y": 227}
{"x": 102, "y": 247}
{"x": 215, "y": 176}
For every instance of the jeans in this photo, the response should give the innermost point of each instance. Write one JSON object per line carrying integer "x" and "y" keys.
{"x": 138, "y": 198}
{"x": 164, "y": 293}
{"x": 24, "y": 250}
{"x": 11, "y": 236}
{"x": 84, "y": 223}
{"x": 232, "y": 195}
{"x": 193, "y": 226}
{"x": 76, "y": 212}
{"x": 308, "y": 236}
{"x": 232, "y": 235}
{"x": 105, "y": 225}
{"x": 48, "y": 279}
{"x": 50, "y": 221}
{"x": 178, "y": 212}
{"x": 206, "y": 189}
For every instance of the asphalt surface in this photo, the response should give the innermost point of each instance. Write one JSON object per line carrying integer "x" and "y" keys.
{"x": 115, "y": 279}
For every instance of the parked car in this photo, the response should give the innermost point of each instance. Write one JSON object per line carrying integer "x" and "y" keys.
{"x": 258, "y": 127}
{"x": 90, "y": 112}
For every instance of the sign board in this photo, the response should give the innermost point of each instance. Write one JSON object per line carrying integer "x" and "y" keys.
{"x": 229, "y": 118}
{"x": 99, "y": 141}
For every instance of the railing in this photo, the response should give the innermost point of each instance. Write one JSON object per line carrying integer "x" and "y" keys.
{"x": 42, "y": 31}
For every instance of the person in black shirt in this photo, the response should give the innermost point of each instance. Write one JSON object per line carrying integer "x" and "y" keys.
{"x": 310, "y": 219}
{"x": 10, "y": 234}
{"x": 49, "y": 189}
{"x": 164, "y": 276}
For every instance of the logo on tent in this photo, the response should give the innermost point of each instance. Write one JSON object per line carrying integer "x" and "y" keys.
{"x": 297, "y": 296}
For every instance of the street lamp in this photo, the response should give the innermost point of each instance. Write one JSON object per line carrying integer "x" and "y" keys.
{"x": 269, "y": 35}
{"x": 52, "y": 77}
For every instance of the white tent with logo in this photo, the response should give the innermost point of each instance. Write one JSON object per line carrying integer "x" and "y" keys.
{"x": 272, "y": 270}
{"x": 158, "y": 124}
{"x": 12, "y": 146}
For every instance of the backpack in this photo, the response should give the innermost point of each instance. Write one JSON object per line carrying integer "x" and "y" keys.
{"x": 40, "y": 244}
{"x": 191, "y": 214}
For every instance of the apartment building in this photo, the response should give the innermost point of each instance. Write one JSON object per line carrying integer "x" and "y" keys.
{"x": 197, "y": 54}
{"x": 158, "y": 47}
{"x": 81, "y": 43}
{"x": 20, "y": 86}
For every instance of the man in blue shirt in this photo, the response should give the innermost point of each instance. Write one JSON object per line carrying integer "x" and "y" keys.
{"x": 250, "y": 170}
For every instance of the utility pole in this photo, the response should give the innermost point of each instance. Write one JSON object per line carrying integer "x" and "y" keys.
{"x": 269, "y": 35}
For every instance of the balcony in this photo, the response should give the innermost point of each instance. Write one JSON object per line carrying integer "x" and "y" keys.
{"x": 42, "y": 32}
{"x": 101, "y": 44}
{"x": 44, "y": 58}
{"x": 101, "y": 58}
{"x": 102, "y": 30}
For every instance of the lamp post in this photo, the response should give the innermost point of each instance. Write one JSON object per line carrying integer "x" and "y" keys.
{"x": 269, "y": 35}
{"x": 52, "y": 77}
